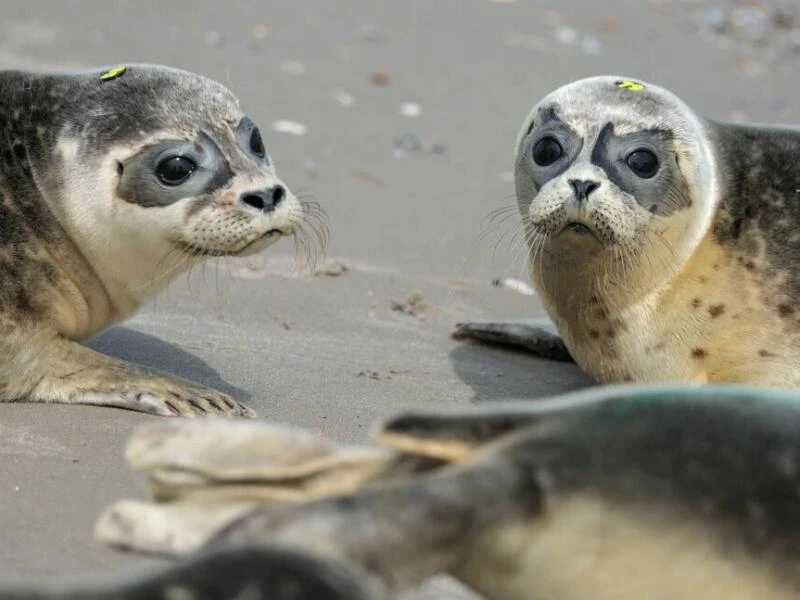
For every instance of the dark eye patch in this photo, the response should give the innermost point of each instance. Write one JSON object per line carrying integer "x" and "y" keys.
{"x": 142, "y": 180}
{"x": 248, "y": 136}
{"x": 549, "y": 149}
{"x": 643, "y": 164}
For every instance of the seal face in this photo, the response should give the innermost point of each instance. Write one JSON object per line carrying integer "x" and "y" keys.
{"x": 112, "y": 182}
{"x": 661, "y": 242}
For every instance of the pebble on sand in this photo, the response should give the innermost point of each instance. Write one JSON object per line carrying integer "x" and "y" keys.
{"x": 290, "y": 127}
{"x": 293, "y": 67}
{"x": 514, "y": 284}
{"x": 259, "y": 31}
{"x": 410, "y": 109}
{"x": 343, "y": 97}
{"x": 379, "y": 78}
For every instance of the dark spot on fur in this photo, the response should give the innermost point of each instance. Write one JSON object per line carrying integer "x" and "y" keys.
{"x": 736, "y": 229}
{"x": 197, "y": 407}
{"x": 750, "y": 265}
{"x": 696, "y": 303}
{"x": 611, "y": 333}
{"x": 699, "y": 353}
{"x": 594, "y": 334}
{"x": 784, "y": 310}
{"x": 716, "y": 310}
{"x": 702, "y": 279}
{"x": 765, "y": 353}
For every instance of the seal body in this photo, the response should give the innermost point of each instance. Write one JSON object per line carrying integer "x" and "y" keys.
{"x": 112, "y": 182}
{"x": 662, "y": 243}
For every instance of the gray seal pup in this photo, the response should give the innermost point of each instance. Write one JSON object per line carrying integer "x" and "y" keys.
{"x": 612, "y": 493}
{"x": 663, "y": 244}
{"x": 113, "y": 182}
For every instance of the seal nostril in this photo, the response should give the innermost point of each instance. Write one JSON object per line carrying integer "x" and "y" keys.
{"x": 583, "y": 188}
{"x": 278, "y": 194}
{"x": 254, "y": 201}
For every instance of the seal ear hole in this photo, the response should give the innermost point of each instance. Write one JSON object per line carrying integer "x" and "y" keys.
{"x": 120, "y": 168}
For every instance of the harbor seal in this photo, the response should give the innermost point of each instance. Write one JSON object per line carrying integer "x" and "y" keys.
{"x": 112, "y": 182}
{"x": 616, "y": 492}
{"x": 662, "y": 243}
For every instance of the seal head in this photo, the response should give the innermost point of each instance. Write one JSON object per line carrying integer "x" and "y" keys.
{"x": 618, "y": 173}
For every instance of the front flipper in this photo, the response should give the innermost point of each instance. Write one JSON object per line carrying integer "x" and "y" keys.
{"x": 535, "y": 335}
{"x": 254, "y": 460}
{"x": 57, "y": 370}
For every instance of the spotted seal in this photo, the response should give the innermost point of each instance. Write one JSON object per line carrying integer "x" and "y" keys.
{"x": 616, "y": 492}
{"x": 662, "y": 243}
{"x": 112, "y": 182}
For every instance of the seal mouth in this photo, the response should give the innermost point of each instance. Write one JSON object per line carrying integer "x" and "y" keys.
{"x": 577, "y": 228}
{"x": 257, "y": 244}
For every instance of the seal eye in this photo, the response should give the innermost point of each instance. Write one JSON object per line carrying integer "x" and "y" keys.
{"x": 547, "y": 151}
{"x": 257, "y": 144}
{"x": 175, "y": 170}
{"x": 643, "y": 162}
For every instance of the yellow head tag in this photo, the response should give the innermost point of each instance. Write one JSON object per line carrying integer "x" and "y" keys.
{"x": 633, "y": 86}
{"x": 113, "y": 73}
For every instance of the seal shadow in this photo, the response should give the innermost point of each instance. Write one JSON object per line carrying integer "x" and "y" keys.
{"x": 149, "y": 351}
{"x": 497, "y": 373}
